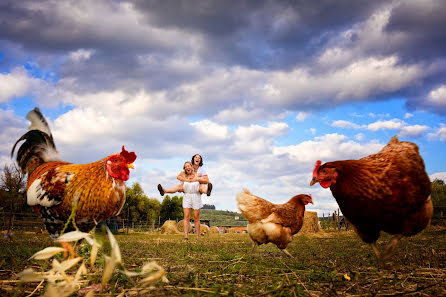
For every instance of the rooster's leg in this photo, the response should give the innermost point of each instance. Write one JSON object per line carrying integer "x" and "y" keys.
{"x": 68, "y": 250}
{"x": 287, "y": 253}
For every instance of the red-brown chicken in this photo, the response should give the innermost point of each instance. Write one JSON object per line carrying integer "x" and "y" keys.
{"x": 269, "y": 222}
{"x": 388, "y": 191}
{"x": 96, "y": 191}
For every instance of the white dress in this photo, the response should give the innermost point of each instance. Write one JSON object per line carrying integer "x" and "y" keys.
{"x": 192, "y": 196}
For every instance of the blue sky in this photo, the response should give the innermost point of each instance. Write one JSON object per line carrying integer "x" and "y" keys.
{"x": 262, "y": 89}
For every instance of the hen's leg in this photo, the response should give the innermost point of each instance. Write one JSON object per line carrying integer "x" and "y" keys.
{"x": 390, "y": 248}
{"x": 287, "y": 253}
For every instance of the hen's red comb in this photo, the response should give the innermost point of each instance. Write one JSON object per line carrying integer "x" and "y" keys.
{"x": 130, "y": 157}
{"x": 316, "y": 167}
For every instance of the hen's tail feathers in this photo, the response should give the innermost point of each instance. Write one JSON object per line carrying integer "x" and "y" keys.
{"x": 38, "y": 147}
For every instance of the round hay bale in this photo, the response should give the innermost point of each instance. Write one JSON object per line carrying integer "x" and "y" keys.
{"x": 311, "y": 223}
{"x": 232, "y": 230}
{"x": 204, "y": 229}
{"x": 180, "y": 226}
{"x": 169, "y": 227}
{"x": 214, "y": 230}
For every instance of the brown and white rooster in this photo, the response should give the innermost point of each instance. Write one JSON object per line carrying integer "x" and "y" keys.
{"x": 95, "y": 191}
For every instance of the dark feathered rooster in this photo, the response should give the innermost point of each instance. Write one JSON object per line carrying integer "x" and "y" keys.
{"x": 388, "y": 191}
{"x": 54, "y": 188}
{"x": 269, "y": 222}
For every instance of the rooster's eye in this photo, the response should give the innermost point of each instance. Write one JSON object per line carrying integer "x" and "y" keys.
{"x": 115, "y": 160}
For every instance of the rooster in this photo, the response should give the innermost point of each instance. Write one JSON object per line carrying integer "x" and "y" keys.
{"x": 269, "y": 222}
{"x": 388, "y": 191}
{"x": 55, "y": 189}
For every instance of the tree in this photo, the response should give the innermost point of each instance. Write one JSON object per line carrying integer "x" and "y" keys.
{"x": 438, "y": 195}
{"x": 208, "y": 206}
{"x": 171, "y": 208}
{"x": 138, "y": 207}
{"x": 12, "y": 186}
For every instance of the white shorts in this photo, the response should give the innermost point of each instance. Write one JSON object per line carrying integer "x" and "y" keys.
{"x": 192, "y": 196}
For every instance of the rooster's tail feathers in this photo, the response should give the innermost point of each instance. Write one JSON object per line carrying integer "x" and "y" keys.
{"x": 38, "y": 147}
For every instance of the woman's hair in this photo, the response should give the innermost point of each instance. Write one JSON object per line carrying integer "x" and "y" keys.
{"x": 184, "y": 167}
{"x": 201, "y": 160}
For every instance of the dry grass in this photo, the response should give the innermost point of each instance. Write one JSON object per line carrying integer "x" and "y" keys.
{"x": 326, "y": 264}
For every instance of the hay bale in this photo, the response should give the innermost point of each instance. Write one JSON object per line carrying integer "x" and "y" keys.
{"x": 204, "y": 229}
{"x": 214, "y": 230}
{"x": 232, "y": 230}
{"x": 180, "y": 226}
{"x": 311, "y": 223}
{"x": 169, "y": 227}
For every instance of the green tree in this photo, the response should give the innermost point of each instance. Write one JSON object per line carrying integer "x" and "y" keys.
{"x": 438, "y": 193}
{"x": 171, "y": 208}
{"x": 138, "y": 207}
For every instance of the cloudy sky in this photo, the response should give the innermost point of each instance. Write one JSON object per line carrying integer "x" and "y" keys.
{"x": 262, "y": 89}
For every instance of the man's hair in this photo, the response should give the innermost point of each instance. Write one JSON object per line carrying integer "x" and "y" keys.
{"x": 201, "y": 160}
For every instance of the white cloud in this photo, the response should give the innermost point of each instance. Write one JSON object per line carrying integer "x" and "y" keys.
{"x": 301, "y": 116}
{"x": 438, "y": 175}
{"x": 211, "y": 131}
{"x": 437, "y": 97}
{"x": 408, "y": 115}
{"x": 439, "y": 134}
{"x": 394, "y": 124}
{"x": 360, "y": 137}
{"x": 313, "y": 131}
{"x": 345, "y": 124}
{"x": 80, "y": 55}
{"x": 413, "y": 131}
{"x": 16, "y": 83}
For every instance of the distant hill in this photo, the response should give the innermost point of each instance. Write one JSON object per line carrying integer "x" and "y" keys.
{"x": 223, "y": 217}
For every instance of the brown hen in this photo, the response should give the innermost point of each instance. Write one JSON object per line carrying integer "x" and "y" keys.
{"x": 388, "y": 191}
{"x": 269, "y": 222}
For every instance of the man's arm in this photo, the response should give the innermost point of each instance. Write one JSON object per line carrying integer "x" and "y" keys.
{"x": 203, "y": 179}
{"x": 182, "y": 176}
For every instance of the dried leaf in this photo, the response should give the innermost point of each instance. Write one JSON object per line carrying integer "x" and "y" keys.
{"x": 131, "y": 273}
{"x": 67, "y": 264}
{"x": 347, "y": 277}
{"x": 153, "y": 278}
{"x": 94, "y": 252}
{"x": 29, "y": 275}
{"x": 110, "y": 263}
{"x": 47, "y": 253}
{"x": 74, "y": 236}
{"x": 116, "y": 253}
{"x": 81, "y": 271}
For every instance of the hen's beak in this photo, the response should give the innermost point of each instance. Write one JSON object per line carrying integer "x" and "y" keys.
{"x": 131, "y": 166}
{"x": 313, "y": 181}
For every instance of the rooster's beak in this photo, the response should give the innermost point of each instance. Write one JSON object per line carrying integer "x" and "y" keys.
{"x": 131, "y": 166}
{"x": 313, "y": 181}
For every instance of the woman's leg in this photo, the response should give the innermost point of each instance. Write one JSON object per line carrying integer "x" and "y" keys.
{"x": 197, "y": 222}
{"x": 186, "y": 221}
{"x": 177, "y": 188}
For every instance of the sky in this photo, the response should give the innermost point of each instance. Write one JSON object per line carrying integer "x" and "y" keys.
{"x": 261, "y": 89}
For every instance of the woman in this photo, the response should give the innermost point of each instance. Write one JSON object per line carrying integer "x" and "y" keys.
{"x": 202, "y": 178}
{"x": 191, "y": 198}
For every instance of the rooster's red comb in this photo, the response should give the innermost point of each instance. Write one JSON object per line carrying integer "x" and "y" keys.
{"x": 316, "y": 167}
{"x": 130, "y": 157}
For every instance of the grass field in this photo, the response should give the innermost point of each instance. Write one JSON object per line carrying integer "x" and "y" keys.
{"x": 330, "y": 264}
